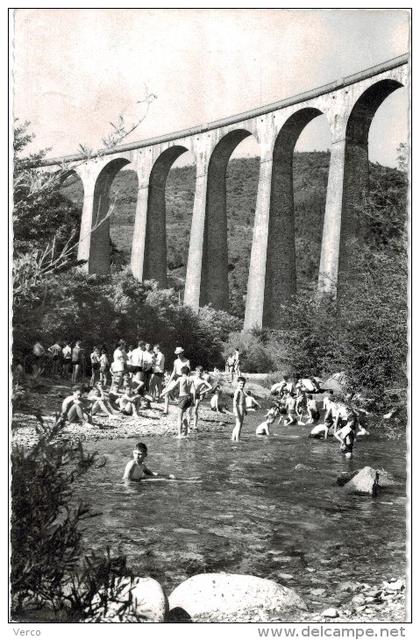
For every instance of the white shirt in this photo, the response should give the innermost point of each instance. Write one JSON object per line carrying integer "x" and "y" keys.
{"x": 119, "y": 360}
{"x": 159, "y": 363}
{"x": 137, "y": 357}
{"x": 66, "y": 352}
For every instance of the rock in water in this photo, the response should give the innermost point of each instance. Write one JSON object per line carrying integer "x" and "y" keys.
{"x": 303, "y": 467}
{"x": 149, "y": 602}
{"x": 345, "y": 477}
{"x": 224, "y": 597}
{"x": 330, "y": 613}
{"x": 367, "y": 482}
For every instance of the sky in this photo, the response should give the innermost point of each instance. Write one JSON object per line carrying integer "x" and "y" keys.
{"x": 76, "y": 70}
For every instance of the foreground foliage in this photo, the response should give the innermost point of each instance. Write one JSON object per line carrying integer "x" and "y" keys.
{"x": 52, "y": 577}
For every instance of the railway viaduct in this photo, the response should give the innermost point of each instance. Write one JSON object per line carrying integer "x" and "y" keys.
{"x": 349, "y": 105}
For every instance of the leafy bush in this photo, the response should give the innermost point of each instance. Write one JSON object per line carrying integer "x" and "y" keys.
{"x": 255, "y": 357}
{"x": 101, "y": 309}
{"x": 49, "y": 575}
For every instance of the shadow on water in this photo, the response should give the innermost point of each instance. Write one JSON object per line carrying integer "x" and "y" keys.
{"x": 244, "y": 508}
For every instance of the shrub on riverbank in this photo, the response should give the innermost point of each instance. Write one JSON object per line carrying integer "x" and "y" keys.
{"x": 51, "y": 577}
{"x": 101, "y": 309}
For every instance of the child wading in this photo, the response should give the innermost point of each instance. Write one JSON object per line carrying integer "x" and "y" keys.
{"x": 239, "y": 409}
{"x": 201, "y": 387}
{"x": 186, "y": 399}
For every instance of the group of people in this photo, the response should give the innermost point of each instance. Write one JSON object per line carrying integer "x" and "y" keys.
{"x": 72, "y": 362}
{"x": 136, "y": 376}
{"x": 342, "y": 419}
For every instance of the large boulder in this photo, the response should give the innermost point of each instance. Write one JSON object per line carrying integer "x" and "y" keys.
{"x": 369, "y": 481}
{"x": 224, "y": 597}
{"x": 149, "y": 602}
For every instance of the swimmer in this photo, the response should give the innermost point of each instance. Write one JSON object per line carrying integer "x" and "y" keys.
{"x": 136, "y": 469}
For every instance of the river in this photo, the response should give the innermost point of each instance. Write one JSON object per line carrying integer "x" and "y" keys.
{"x": 243, "y": 508}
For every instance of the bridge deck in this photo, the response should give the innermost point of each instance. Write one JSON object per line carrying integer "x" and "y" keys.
{"x": 246, "y": 115}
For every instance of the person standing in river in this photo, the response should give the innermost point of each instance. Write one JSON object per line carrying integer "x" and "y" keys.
{"x": 239, "y": 409}
{"x": 186, "y": 400}
{"x": 201, "y": 388}
{"x": 179, "y": 362}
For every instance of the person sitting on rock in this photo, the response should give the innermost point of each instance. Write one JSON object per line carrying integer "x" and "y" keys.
{"x": 136, "y": 469}
{"x": 114, "y": 395}
{"x": 99, "y": 400}
{"x": 72, "y": 409}
{"x": 128, "y": 402}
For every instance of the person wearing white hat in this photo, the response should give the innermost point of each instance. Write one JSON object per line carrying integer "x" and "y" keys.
{"x": 179, "y": 362}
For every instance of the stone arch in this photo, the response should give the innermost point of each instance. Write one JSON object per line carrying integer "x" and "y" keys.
{"x": 356, "y": 165}
{"x": 280, "y": 279}
{"x": 155, "y": 257}
{"x": 100, "y": 246}
{"x": 214, "y": 276}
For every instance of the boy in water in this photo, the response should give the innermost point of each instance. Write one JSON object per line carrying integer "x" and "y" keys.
{"x": 239, "y": 409}
{"x": 312, "y": 409}
{"x": 201, "y": 388}
{"x": 136, "y": 469}
{"x": 186, "y": 399}
{"x": 346, "y": 436}
{"x": 262, "y": 429}
{"x": 291, "y": 409}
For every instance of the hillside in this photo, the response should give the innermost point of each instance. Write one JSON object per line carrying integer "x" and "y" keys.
{"x": 310, "y": 179}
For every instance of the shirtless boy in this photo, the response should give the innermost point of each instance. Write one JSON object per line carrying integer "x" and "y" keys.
{"x": 201, "y": 388}
{"x": 186, "y": 399}
{"x": 239, "y": 409}
{"x": 136, "y": 469}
